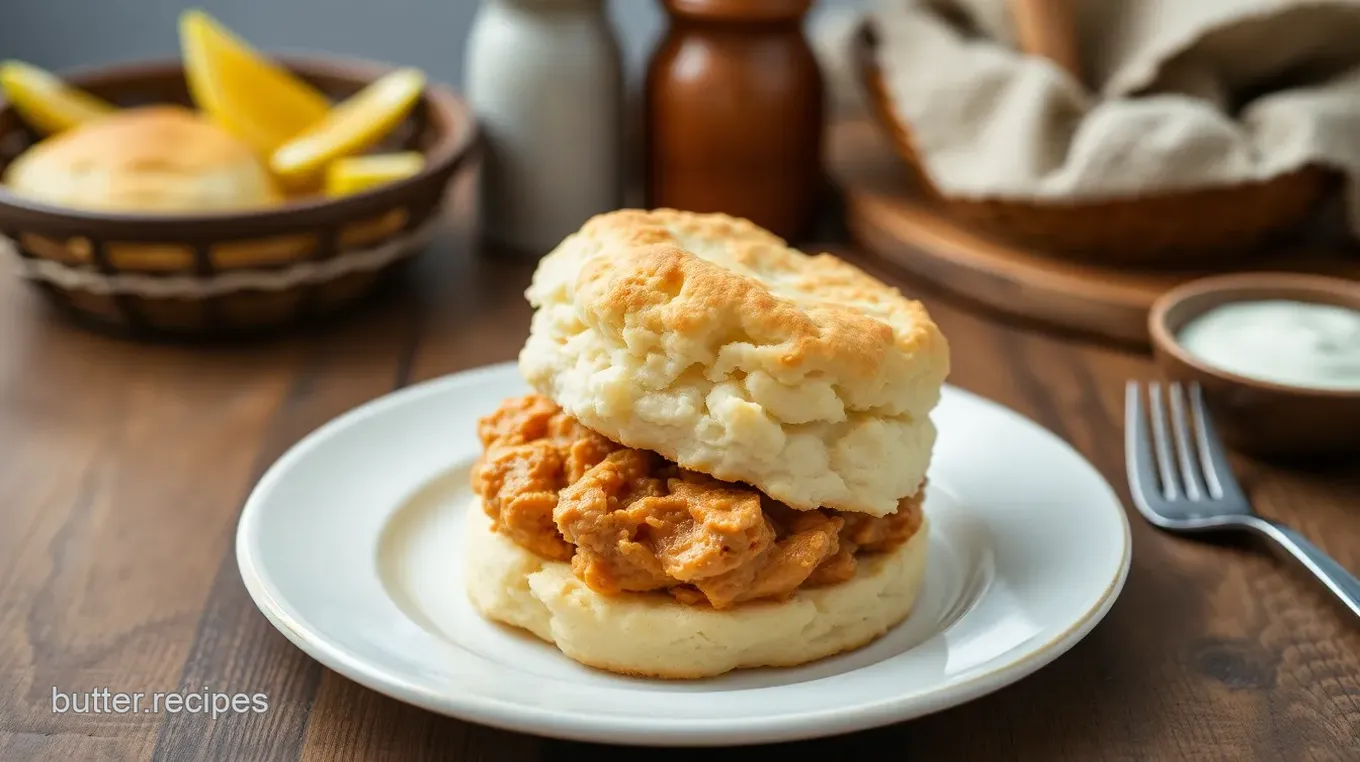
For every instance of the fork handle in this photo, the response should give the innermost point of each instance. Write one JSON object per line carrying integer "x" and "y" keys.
{"x": 1333, "y": 575}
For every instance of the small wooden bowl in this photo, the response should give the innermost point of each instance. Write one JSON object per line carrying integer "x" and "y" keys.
{"x": 228, "y": 274}
{"x": 1175, "y": 229}
{"x": 1259, "y": 417}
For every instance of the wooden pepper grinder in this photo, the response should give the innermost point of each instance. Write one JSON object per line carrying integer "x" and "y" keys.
{"x": 733, "y": 113}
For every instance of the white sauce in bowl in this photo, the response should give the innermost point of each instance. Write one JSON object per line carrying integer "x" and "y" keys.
{"x": 1302, "y": 344}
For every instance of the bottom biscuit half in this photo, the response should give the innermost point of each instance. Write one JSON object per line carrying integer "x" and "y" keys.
{"x": 653, "y": 635}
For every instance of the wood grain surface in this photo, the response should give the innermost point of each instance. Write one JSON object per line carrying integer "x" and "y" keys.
{"x": 123, "y": 468}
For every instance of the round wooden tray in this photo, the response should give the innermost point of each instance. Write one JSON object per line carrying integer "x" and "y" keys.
{"x": 891, "y": 219}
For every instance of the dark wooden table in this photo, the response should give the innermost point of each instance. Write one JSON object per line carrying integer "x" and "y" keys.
{"x": 123, "y": 468}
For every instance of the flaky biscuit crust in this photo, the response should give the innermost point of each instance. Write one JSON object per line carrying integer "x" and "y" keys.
{"x": 708, "y": 340}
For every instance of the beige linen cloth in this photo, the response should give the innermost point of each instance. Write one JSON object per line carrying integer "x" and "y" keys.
{"x": 1176, "y": 94}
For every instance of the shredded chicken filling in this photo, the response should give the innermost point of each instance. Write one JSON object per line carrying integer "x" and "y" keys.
{"x": 629, "y": 520}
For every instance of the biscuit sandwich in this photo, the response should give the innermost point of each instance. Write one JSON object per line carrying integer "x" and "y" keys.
{"x": 723, "y": 462}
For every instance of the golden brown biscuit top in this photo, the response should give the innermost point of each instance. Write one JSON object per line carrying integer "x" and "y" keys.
{"x": 718, "y": 279}
{"x": 706, "y": 339}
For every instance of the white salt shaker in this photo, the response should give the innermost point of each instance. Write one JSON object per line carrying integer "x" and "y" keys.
{"x": 545, "y": 80}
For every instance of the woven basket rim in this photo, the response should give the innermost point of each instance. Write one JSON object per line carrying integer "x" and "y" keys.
{"x": 289, "y": 275}
{"x": 458, "y": 139}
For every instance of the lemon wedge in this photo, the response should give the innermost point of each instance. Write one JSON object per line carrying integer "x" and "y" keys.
{"x": 352, "y": 127}
{"x": 46, "y": 103}
{"x": 357, "y": 173}
{"x": 241, "y": 90}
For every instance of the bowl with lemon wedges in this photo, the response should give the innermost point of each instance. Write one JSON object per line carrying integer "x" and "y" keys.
{"x": 225, "y": 193}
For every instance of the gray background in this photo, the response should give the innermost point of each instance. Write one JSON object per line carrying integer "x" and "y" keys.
{"x": 429, "y": 34}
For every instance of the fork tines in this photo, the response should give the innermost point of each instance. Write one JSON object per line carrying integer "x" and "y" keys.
{"x": 1172, "y": 449}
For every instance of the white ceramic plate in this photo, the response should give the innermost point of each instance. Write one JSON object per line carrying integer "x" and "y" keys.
{"x": 350, "y": 544}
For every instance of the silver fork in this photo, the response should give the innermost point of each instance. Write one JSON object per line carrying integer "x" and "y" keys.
{"x": 1181, "y": 480}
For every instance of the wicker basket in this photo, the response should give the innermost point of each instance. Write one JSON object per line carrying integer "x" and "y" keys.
{"x": 1173, "y": 229}
{"x": 228, "y": 274}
